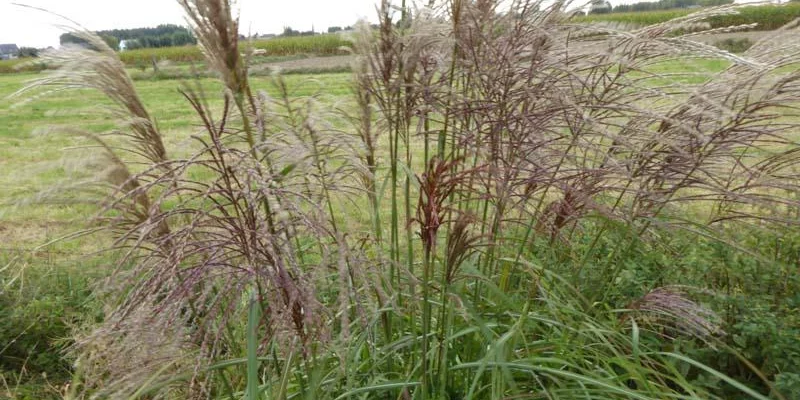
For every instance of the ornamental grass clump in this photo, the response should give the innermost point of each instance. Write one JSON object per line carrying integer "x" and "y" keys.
{"x": 509, "y": 161}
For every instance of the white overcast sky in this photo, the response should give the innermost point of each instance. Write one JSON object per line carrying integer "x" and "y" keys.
{"x": 27, "y": 27}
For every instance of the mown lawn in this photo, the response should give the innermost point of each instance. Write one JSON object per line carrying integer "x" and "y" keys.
{"x": 34, "y": 158}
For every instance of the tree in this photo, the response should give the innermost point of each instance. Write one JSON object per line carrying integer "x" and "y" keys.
{"x": 600, "y": 7}
{"x": 27, "y": 52}
{"x": 182, "y": 39}
{"x": 68, "y": 38}
{"x": 288, "y": 31}
{"x": 111, "y": 41}
{"x": 132, "y": 44}
{"x": 160, "y": 36}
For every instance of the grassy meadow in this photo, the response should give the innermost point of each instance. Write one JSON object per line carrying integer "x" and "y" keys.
{"x": 47, "y": 283}
{"x": 533, "y": 218}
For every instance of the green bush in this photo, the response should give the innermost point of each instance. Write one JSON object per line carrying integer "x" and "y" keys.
{"x": 734, "y": 45}
{"x": 21, "y": 65}
{"x": 39, "y": 304}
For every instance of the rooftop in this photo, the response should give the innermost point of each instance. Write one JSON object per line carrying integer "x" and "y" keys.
{"x": 8, "y": 48}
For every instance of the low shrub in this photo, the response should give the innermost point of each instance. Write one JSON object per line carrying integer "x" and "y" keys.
{"x": 40, "y": 303}
{"x": 21, "y": 65}
{"x": 734, "y": 45}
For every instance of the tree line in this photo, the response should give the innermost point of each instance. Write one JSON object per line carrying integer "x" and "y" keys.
{"x": 167, "y": 35}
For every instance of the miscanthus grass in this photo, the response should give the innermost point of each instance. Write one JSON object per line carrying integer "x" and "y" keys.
{"x": 488, "y": 145}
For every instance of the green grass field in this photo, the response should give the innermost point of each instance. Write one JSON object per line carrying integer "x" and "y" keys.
{"x": 33, "y": 162}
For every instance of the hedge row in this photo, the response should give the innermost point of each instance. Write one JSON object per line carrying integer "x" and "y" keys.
{"x": 20, "y": 65}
